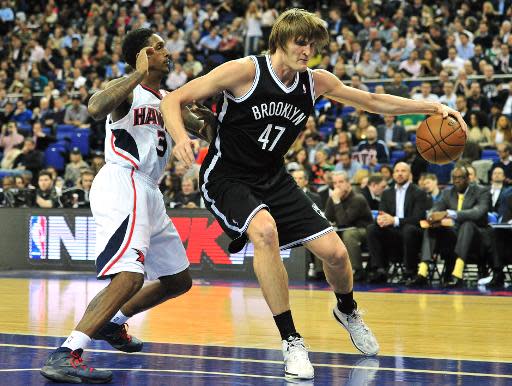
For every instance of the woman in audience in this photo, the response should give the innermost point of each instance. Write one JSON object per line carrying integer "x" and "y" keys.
{"x": 503, "y": 131}
{"x": 478, "y": 133}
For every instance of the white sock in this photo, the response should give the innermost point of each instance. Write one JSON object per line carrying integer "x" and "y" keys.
{"x": 119, "y": 318}
{"x": 76, "y": 340}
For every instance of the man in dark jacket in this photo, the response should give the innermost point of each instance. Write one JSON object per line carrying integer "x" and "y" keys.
{"x": 456, "y": 225}
{"x": 351, "y": 214}
{"x": 400, "y": 211}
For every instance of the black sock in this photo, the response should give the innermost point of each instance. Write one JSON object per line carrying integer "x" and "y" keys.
{"x": 346, "y": 302}
{"x": 284, "y": 323}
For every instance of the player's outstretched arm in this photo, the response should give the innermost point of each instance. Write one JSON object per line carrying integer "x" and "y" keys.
{"x": 329, "y": 85}
{"x": 227, "y": 76}
{"x": 119, "y": 90}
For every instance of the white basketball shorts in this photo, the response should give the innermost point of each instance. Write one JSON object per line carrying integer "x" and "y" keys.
{"x": 133, "y": 231}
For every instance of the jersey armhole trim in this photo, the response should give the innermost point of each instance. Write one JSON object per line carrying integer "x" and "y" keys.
{"x": 253, "y": 87}
{"x": 312, "y": 85}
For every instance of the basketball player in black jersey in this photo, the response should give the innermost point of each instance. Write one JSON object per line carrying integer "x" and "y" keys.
{"x": 267, "y": 100}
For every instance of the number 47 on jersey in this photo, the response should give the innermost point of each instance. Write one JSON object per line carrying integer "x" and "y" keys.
{"x": 264, "y": 137}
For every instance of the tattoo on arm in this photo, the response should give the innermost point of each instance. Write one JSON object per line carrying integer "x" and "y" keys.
{"x": 105, "y": 101}
{"x": 190, "y": 120}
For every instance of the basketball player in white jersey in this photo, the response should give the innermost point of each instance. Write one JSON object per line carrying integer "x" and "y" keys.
{"x": 134, "y": 235}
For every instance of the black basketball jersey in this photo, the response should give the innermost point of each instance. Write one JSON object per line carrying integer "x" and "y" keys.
{"x": 257, "y": 129}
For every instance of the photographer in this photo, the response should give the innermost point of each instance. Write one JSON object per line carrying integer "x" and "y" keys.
{"x": 20, "y": 195}
{"x": 46, "y": 197}
{"x": 78, "y": 197}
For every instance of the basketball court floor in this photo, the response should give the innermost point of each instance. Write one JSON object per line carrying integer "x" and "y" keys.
{"x": 221, "y": 333}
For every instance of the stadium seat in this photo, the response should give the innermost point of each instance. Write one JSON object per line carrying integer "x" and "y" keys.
{"x": 491, "y": 154}
{"x": 347, "y": 110}
{"x": 492, "y": 218}
{"x": 80, "y": 139}
{"x": 396, "y": 155}
{"x": 322, "y": 105}
{"x": 54, "y": 156}
{"x": 47, "y": 130}
{"x": 65, "y": 131}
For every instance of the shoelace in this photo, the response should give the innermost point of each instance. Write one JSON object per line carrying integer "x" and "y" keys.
{"x": 296, "y": 348}
{"x": 77, "y": 361}
{"x": 123, "y": 333}
{"x": 356, "y": 321}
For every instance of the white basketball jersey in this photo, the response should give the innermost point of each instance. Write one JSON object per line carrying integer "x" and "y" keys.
{"x": 139, "y": 139}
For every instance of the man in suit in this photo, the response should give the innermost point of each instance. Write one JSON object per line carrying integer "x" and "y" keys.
{"x": 400, "y": 211}
{"x": 458, "y": 219}
{"x": 373, "y": 190}
{"x": 498, "y": 190}
{"x": 301, "y": 178}
{"x": 392, "y": 134}
{"x": 349, "y": 210}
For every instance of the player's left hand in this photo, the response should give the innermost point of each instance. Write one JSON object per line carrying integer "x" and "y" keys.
{"x": 209, "y": 129}
{"x": 445, "y": 111}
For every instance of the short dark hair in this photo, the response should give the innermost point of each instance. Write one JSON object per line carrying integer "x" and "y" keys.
{"x": 45, "y": 173}
{"x": 376, "y": 178}
{"x": 133, "y": 42}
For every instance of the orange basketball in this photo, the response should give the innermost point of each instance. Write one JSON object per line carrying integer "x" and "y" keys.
{"x": 440, "y": 140}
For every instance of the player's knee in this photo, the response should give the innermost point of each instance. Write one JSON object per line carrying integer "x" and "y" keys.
{"x": 337, "y": 257}
{"x": 176, "y": 285}
{"x": 263, "y": 231}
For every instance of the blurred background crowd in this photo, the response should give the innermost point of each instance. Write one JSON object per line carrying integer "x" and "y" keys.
{"x": 55, "y": 55}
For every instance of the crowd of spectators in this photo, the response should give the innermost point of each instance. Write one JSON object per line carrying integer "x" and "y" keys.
{"x": 55, "y": 55}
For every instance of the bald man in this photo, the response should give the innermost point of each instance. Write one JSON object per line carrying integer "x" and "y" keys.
{"x": 396, "y": 232}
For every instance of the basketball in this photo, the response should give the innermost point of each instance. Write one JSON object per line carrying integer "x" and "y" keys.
{"x": 440, "y": 140}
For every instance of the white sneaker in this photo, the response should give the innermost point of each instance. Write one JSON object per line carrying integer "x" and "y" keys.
{"x": 296, "y": 360}
{"x": 485, "y": 280}
{"x": 361, "y": 335}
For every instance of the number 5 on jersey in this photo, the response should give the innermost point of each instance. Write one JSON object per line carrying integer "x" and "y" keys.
{"x": 264, "y": 137}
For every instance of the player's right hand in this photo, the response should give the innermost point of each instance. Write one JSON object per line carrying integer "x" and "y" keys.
{"x": 184, "y": 153}
{"x": 142, "y": 63}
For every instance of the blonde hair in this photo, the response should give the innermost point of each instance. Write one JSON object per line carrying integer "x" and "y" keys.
{"x": 297, "y": 23}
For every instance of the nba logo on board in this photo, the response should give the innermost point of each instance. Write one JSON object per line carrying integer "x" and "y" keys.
{"x": 38, "y": 236}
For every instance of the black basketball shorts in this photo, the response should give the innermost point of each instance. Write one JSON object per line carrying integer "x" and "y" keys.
{"x": 234, "y": 203}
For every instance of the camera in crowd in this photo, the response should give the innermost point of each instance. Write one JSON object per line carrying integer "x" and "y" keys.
{"x": 20, "y": 198}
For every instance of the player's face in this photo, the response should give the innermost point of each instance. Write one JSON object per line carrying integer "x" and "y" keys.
{"x": 160, "y": 60}
{"x": 298, "y": 52}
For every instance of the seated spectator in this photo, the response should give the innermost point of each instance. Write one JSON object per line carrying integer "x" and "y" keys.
{"x": 41, "y": 139}
{"x": 425, "y": 94}
{"x": 391, "y": 133}
{"x": 503, "y": 131}
{"x": 46, "y": 197}
{"x": 411, "y": 66}
{"x": 76, "y": 113}
{"x": 350, "y": 210}
{"x": 22, "y": 115}
{"x": 9, "y": 136}
{"x": 373, "y": 143}
{"x": 59, "y": 111}
{"x": 367, "y": 68}
{"x": 465, "y": 49}
{"x": 505, "y": 161}
{"x": 430, "y": 64}
{"x": 75, "y": 167}
{"x": 78, "y": 195}
{"x": 476, "y": 101}
{"x": 455, "y": 226}
{"x": 302, "y": 180}
{"x": 210, "y": 43}
{"x": 478, "y": 132}
{"x": 189, "y": 196}
{"x": 396, "y": 87}
{"x": 192, "y": 67}
{"x": 501, "y": 237}
{"x": 29, "y": 158}
{"x": 356, "y": 83}
{"x": 347, "y": 164}
{"x": 400, "y": 210}
{"x": 97, "y": 161}
{"x": 431, "y": 187}
{"x": 449, "y": 97}
{"x": 177, "y": 77}
{"x": 373, "y": 190}
{"x": 497, "y": 190}
{"x": 453, "y": 64}
{"x": 321, "y": 166}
